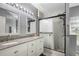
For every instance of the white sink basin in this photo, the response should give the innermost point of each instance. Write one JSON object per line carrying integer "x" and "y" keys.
{"x": 10, "y": 43}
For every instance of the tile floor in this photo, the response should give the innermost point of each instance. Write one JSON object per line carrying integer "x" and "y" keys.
{"x": 49, "y": 52}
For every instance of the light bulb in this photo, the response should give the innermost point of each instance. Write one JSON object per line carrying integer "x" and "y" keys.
{"x": 21, "y": 7}
{"x": 24, "y": 9}
{"x": 17, "y": 5}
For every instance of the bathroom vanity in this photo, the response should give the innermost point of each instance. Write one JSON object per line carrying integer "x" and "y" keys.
{"x": 15, "y": 21}
{"x": 27, "y": 46}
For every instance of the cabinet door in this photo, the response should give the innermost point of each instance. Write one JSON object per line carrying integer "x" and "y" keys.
{"x": 32, "y": 48}
{"x": 7, "y": 52}
{"x": 19, "y": 50}
{"x": 39, "y": 46}
{"x": 51, "y": 41}
{"x": 46, "y": 40}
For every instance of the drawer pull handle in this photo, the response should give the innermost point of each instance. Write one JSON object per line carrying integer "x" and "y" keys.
{"x": 32, "y": 51}
{"x": 40, "y": 48}
{"x": 40, "y": 41}
{"x": 32, "y": 44}
{"x": 16, "y": 52}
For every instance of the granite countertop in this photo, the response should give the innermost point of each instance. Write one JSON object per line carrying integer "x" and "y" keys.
{"x": 11, "y": 43}
{"x": 8, "y": 37}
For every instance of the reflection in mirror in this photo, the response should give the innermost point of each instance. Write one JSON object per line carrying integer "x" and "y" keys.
{"x": 74, "y": 25}
{"x": 31, "y": 25}
{"x": 8, "y": 22}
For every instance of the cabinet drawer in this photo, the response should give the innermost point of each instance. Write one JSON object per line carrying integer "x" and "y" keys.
{"x": 32, "y": 48}
{"x": 40, "y": 51}
{"x": 39, "y": 47}
{"x": 21, "y": 50}
{"x": 7, "y": 52}
{"x": 15, "y": 51}
{"x": 32, "y": 44}
{"x": 31, "y": 52}
{"x": 41, "y": 40}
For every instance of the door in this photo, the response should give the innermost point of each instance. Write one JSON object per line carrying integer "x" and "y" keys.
{"x": 46, "y": 29}
{"x": 58, "y": 30}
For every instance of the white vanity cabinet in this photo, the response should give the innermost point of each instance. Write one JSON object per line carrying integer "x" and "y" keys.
{"x": 39, "y": 47}
{"x": 48, "y": 40}
{"x": 30, "y": 48}
{"x": 19, "y": 50}
{"x": 35, "y": 47}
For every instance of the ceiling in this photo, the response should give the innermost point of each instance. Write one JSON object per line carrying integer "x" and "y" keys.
{"x": 29, "y": 7}
{"x": 49, "y": 9}
{"x": 73, "y": 4}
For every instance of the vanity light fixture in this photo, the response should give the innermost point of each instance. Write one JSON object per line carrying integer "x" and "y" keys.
{"x": 20, "y": 8}
{"x": 32, "y": 13}
{"x": 24, "y": 9}
{"x": 17, "y": 6}
{"x": 13, "y": 4}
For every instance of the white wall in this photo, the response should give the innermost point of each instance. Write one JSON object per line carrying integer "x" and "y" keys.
{"x": 46, "y": 25}
{"x": 2, "y": 24}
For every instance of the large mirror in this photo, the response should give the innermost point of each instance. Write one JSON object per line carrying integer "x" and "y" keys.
{"x": 8, "y": 21}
